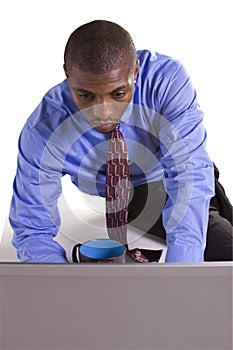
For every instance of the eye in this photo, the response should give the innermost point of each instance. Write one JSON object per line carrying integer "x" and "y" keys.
{"x": 118, "y": 94}
{"x": 86, "y": 96}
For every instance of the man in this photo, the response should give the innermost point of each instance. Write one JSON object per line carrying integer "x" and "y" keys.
{"x": 150, "y": 97}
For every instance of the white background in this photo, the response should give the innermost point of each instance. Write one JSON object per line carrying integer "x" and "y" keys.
{"x": 34, "y": 34}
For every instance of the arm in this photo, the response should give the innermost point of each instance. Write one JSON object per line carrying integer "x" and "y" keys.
{"x": 34, "y": 215}
{"x": 188, "y": 170}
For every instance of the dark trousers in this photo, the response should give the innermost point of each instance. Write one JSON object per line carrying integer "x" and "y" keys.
{"x": 147, "y": 202}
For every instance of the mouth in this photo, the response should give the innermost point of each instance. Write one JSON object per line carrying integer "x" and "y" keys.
{"x": 105, "y": 127}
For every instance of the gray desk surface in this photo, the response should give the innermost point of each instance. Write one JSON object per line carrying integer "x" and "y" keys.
{"x": 107, "y": 307}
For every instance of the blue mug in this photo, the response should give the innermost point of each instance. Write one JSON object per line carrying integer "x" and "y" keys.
{"x": 99, "y": 251}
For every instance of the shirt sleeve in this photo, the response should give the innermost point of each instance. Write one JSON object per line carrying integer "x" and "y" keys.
{"x": 188, "y": 170}
{"x": 34, "y": 215}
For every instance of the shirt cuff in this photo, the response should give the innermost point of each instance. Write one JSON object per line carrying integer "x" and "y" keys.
{"x": 178, "y": 253}
{"x": 37, "y": 250}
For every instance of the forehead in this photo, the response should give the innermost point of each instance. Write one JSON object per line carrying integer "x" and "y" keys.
{"x": 100, "y": 82}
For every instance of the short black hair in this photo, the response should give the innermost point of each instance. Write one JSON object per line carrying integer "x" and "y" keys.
{"x": 98, "y": 47}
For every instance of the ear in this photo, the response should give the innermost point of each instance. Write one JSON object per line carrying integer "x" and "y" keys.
{"x": 66, "y": 71}
{"x": 137, "y": 64}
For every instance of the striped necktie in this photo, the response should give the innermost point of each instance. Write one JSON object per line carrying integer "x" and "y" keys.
{"x": 117, "y": 187}
{"x": 117, "y": 192}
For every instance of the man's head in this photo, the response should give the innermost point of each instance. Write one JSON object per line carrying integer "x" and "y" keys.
{"x": 101, "y": 67}
{"x": 99, "y": 47}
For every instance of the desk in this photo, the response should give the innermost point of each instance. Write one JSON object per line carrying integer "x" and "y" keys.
{"x": 78, "y": 227}
{"x": 84, "y": 225}
{"x": 112, "y": 307}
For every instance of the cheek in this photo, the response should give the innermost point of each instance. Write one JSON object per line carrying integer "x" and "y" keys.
{"x": 88, "y": 114}
{"x": 121, "y": 109}
{"x": 76, "y": 100}
{"x": 84, "y": 107}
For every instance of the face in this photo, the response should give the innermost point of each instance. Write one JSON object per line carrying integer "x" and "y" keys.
{"x": 102, "y": 97}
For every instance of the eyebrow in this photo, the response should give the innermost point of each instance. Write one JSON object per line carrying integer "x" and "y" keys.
{"x": 90, "y": 92}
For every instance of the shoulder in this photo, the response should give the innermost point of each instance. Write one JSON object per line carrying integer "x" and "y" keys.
{"x": 159, "y": 75}
{"x": 154, "y": 64}
{"x": 47, "y": 123}
{"x": 55, "y": 106}
{"x": 59, "y": 96}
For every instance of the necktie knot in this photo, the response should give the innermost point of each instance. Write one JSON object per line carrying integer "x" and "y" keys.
{"x": 117, "y": 151}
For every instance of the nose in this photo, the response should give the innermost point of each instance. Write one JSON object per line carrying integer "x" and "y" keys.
{"x": 103, "y": 110}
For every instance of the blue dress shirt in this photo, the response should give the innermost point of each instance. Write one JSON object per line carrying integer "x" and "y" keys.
{"x": 166, "y": 141}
